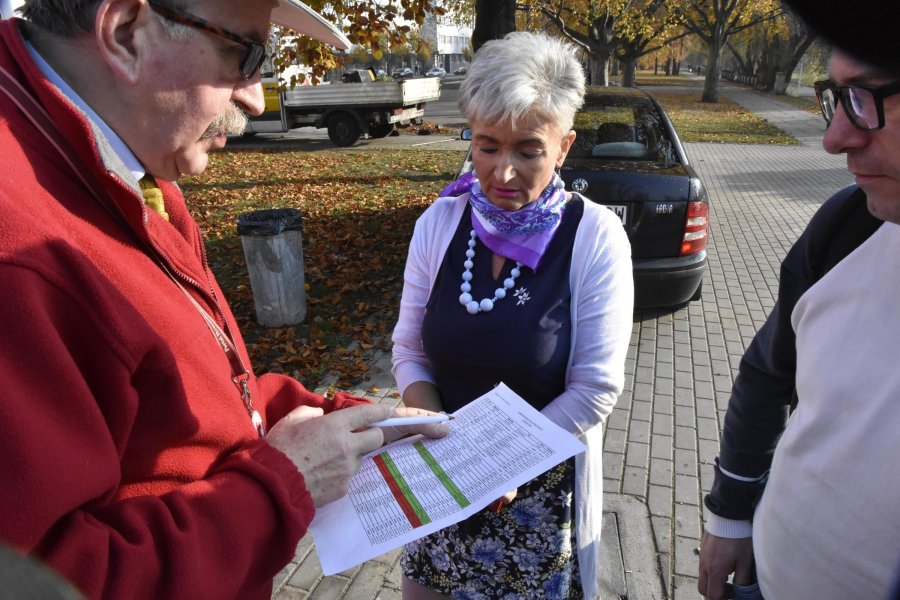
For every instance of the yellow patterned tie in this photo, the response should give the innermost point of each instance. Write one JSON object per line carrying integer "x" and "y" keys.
{"x": 153, "y": 196}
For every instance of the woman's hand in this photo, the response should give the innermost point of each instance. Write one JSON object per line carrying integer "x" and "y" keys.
{"x": 422, "y": 394}
{"x": 504, "y": 500}
{"x": 420, "y": 399}
{"x": 432, "y": 430}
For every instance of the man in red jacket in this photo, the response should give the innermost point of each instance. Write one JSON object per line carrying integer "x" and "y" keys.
{"x": 135, "y": 457}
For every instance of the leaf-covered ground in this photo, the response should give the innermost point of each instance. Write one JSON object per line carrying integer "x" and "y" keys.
{"x": 358, "y": 214}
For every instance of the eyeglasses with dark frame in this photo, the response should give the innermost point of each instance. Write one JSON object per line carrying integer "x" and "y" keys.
{"x": 252, "y": 59}
{"x": 864, "y": 104}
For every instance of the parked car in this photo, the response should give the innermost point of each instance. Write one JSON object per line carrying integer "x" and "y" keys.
{"x": 405, "y": 73}
{"x": 379, "y": 73}
{"x": 627, "y": 156}
{"x": 436, "y": 72}
{"x": 461, "y": 70}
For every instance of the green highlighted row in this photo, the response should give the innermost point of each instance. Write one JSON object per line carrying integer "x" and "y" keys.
{"x": 441, "y": 475}
{"x": 404, "y": 488}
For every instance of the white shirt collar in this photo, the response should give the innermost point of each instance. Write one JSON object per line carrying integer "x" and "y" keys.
{"x": 118, "y": 146}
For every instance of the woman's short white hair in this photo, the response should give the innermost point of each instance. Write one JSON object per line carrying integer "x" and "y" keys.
{"x": 523, "y": 73}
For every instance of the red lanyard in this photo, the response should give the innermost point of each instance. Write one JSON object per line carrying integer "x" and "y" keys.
{"x": 240, "y": 375}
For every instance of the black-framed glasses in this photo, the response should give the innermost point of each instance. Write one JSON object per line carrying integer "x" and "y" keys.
{"x": 863, "y": 104}
{"x": 256, "y": 52}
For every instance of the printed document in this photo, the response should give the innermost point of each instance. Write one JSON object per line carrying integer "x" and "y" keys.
{"x": 416, "y": 486}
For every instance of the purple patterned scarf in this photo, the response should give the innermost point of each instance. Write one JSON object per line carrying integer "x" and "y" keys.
{"x": 521, "y": 235}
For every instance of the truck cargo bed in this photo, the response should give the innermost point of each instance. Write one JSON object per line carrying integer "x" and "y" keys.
{"x": 373, "y": 93}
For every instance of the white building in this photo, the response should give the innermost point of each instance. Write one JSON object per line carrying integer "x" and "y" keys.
{"x": 449, "y": 40}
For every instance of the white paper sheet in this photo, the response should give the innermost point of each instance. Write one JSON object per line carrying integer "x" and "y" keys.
{"x": 416, "y": 486}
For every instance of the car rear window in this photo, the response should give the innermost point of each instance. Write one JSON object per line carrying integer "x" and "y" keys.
{"x": 621, "y": 128}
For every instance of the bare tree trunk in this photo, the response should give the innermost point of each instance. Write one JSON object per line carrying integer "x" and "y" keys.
{"x": 629, "y": 67}
{"x": 493, "y": 20}
{"x": 711, "y": 83}
{"x": 796, "y": 57}
{"x": 600, "y": 70}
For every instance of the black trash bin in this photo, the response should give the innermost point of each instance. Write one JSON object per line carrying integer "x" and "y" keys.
{"x": 273, "y": 249}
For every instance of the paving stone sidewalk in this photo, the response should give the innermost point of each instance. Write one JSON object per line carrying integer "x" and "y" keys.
{"x": 662, "y": 437}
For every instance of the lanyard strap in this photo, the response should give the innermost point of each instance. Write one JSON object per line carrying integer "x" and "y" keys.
{"x": 44, "y": 124}
{"x": 240, "y": 375}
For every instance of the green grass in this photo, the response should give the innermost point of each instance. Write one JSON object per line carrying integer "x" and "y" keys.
{"x": 807, "y": 103}
{"x": 645, "y": 78}
{"x": 723, "y": 122}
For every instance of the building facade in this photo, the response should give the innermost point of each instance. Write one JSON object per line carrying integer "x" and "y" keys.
{"x": 452, "y": 42}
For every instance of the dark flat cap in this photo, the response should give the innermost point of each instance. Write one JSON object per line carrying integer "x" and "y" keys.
{"x": 867, "y": 29}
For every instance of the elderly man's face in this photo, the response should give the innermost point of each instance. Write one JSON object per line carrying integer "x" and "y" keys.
{"x": 873, "y": 157}
{"x": 197, "y": 84}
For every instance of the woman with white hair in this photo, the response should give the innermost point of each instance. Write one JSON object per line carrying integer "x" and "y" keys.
{"x": 510, "y": 278}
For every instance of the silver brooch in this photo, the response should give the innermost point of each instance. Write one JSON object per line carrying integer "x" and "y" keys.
{"x": 522, "y": 295}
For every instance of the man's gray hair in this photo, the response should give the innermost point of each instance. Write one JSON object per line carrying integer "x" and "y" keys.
{"x": 70, "y": 18}
{"x": 66, "y": 18}
{"x": 523, "y": 73}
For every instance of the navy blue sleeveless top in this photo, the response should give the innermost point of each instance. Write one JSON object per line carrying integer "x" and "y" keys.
{"x": 523, "y": 342}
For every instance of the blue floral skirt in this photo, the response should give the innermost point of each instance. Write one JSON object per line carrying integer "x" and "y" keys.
{"x": 526, "y": 551}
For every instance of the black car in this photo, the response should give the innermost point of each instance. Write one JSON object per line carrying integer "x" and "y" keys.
{"x": 402, "y": 73}
{"x": 627, "y": 156}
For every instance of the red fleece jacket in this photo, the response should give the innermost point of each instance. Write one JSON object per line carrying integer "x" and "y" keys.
{"x": 129, "y": 463}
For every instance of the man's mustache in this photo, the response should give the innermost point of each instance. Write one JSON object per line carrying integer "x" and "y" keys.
{"x": 232, "y": 121}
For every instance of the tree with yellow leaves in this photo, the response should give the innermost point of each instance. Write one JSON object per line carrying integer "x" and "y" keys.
{"x": 591, "y": 25}
{"x": 646, "y": 27}
{"x": 604, "y": 29}
{"x": 776, "y": 48}
{"x": 368, "y": 23}
{"x": 715, "y": 21}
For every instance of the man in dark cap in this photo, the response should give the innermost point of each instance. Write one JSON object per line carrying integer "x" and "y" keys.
{"x": 808, "y": 505}
{"x": 867, "y": 29}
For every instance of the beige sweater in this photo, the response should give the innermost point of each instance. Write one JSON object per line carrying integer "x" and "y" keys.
{"x": 828, "y": 524}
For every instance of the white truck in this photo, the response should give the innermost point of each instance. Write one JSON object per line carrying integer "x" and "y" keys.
{"x": 348, "y": 109}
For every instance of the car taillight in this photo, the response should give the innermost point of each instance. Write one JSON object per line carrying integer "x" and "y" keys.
{"x": 696, "y": 228}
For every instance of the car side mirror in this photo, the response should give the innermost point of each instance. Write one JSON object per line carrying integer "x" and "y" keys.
{"x": 466, "y": 134}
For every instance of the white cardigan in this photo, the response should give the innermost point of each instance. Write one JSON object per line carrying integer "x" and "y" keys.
{"x": 602, "y": 308}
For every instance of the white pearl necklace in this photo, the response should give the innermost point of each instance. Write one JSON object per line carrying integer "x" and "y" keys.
{"x": 487, "y": 304}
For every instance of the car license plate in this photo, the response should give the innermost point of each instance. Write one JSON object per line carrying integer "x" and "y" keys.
{"x": 619, "y": 209}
